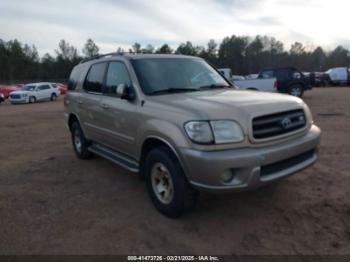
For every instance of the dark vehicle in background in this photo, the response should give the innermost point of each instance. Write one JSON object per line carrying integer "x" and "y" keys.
{"x": 289, "y": 80}
{"x": 317, "y": 79}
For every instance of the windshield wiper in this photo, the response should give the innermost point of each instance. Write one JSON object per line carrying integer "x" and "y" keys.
{"x": 174, "y": 90}
{"x": 214, "y": 86}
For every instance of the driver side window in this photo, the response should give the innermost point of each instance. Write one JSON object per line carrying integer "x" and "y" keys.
{"x": 117, "y": 74}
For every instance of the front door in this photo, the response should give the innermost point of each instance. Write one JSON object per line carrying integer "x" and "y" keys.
{"x": 42, "y": 92}
{"x": 120, "y": 121}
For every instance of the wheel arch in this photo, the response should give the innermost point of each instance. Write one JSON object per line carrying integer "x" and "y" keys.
{"x": 152, "y": 142}
{"x": 71, "y": 119}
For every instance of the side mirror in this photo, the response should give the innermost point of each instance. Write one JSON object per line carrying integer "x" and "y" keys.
{"x": 125, "y": 92}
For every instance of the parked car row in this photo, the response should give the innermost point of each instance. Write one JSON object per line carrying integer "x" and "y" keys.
{"x": 287, "y": 80}
{"x": 31, "y": 93}
{"x": 337, "y": 76}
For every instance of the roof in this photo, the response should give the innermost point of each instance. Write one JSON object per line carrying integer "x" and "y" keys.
{"x": 39, "y": 83}
{"x": 132, "y": 56}
{"x": 280, "y": 68}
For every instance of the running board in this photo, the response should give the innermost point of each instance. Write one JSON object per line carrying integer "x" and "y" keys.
{"x": 115, "y": 157}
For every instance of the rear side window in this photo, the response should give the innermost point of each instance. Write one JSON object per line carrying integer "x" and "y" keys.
{"x": 267, "y": 74}
{"x": 117, "y": 74}
{"x": 94, "y": 79}
{"x": 44, "y": 87}
{"x": 282, "y": 74}
{"x": 296, "y": 75}
{"x": 74, "y": 78}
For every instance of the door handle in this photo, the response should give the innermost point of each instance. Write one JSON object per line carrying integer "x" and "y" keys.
{"x": 104, "y": 106}
{"x": 80, "y": 102}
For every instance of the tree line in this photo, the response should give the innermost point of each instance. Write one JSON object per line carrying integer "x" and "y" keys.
{"x": 244, "y": 55}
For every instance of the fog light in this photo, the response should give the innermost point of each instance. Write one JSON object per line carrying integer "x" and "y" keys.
{"x": 227, "y": 176}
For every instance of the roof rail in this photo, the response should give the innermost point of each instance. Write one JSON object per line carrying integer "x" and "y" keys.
{"x": 104, "y": 55}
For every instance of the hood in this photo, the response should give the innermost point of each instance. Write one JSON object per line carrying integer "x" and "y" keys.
{"x": 240, "y": 105}
{"x": 20, "y": 92}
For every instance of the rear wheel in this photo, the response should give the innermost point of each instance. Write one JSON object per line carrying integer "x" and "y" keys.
{"x": 296, "y": 90}
{"x": 167, "y": 185}
{"x": 80, "y": 144}
{"x": 53, "y": 97}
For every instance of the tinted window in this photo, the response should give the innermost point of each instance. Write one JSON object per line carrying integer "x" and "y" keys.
{"x": 282, "y": 74}
{"x": 28, "y": 88}
{"x": 94, "y": 79}
{"x": 267, "y": 74}
{"x": 117, "y": 74}
{"x": 74, "y": 78}
{"x": 44, "y": 87}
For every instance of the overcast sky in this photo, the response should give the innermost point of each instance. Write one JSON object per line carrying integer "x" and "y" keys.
{"x": 113, "y": 23}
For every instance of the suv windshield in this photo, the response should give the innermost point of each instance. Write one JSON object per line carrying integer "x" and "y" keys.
{"x": 166, "y": 75}
{"x": 28, "y": 88}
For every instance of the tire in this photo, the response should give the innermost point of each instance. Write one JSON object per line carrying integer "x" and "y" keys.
{"x": 53, "y": 97}
{"x": 80, "y": 144}
{"x": 296, "y": 90}
{"x": 32, "y": 99}
{"x": 177, "y": 196}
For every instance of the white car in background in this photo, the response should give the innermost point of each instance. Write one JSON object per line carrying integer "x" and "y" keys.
{"x": 338, "y": 76}
{"x": 32, "y": 93}
{"x": 253, "y": 83}
{"x": 252, "y": 76}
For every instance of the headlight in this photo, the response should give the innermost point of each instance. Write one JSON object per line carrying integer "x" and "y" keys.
{"x": 25, "y": 95}
{"x": 227, "y": 132}
{"x": 218, "y": 132}
{"x": 199, "y": 132}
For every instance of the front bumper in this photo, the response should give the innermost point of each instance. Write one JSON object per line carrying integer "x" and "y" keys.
{"x": 21, "y": 100}
{"x": 251, "y": 167}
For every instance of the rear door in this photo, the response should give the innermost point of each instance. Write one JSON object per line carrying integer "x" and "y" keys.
{"x": 343, "y": 75}
{"x": 43, "y": 92}
{"x": 119, "y": 121}
{"x": 89, "y": 101}
{"x": 284, "y": 78}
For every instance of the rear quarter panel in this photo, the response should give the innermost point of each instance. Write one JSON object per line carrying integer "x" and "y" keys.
{"x": 265, "y": 85}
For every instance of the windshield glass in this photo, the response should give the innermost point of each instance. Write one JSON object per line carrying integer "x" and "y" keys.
{"x": 28, "y": 88}
{"x": 176, "y": 75}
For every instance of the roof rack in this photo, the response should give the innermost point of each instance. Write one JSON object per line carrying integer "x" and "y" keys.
{"x": 103, "y": 55}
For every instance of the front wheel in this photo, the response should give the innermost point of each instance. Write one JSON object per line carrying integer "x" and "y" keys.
{"x": 32, "y": 100}
{"x": 296, "y": 90}
{"x": 167, "y": 185}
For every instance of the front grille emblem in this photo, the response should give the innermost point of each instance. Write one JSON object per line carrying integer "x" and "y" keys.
{"x": 286, "y": 123}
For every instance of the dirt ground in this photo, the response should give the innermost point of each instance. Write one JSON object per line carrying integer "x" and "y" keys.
{"x": 53, "y": 203}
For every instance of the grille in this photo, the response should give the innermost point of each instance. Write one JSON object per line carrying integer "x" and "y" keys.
{"x": 287, "y": 163}
{"x": 14, "y": 96}
{"x": 278, "y": 124}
